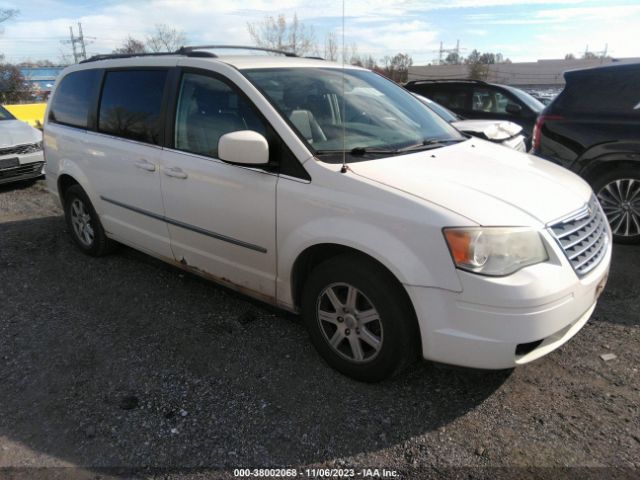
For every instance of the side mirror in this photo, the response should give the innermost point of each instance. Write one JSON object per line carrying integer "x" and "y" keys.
{"x": 244, "y": 147}
{"x": 513, "y": 108}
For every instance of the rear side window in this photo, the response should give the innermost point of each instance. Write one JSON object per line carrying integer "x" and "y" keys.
{"x": 607, "y": 92}
{"x": 74, "y": 97}
{"x": 131, "y": 104}
{"x": 453, "y": 98}
{"x": 490, "y": 101}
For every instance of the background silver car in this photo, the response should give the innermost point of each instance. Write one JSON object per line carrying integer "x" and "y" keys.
{"x": 503, "y": 132}
{"x": 21, "y": 155}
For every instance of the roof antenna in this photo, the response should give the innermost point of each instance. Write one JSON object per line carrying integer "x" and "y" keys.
{"x": 344, "y": 113}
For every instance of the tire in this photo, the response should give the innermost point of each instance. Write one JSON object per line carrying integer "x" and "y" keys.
{"x": 382, "y": 311}
{"x": 619, "y": 194}
{"x": 84, "y": 223}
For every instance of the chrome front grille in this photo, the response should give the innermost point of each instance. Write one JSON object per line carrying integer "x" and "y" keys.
{"x": 583, "y": 237}
{"x": 21, "y": 149}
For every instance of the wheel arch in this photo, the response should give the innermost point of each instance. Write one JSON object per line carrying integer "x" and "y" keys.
{"x": 603, "y": 165}
{"x": 65, "y": 181}
{"x": 317, "y": 254}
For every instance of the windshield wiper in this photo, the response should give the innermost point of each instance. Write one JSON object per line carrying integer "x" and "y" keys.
{"x": 428, "y": 144}
{"x": 363, "y": 150}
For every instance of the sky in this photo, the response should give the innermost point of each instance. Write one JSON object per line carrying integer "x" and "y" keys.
{"x": 522, "y": 30}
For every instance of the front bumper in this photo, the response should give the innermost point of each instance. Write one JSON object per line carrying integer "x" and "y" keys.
{"x": 29, "y": 166}
{"x": 502, "y": 322}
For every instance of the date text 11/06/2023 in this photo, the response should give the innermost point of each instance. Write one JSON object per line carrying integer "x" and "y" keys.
{"x": 315, "y": 473}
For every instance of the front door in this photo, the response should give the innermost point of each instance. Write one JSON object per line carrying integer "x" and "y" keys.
{"x": 221, "y": 217}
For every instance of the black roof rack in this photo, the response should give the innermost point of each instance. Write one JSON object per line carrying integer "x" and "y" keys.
{"x": 189, "y": 51}
{"x": 445, "y": 80}
{"x": 192, "y": 50}
{"x": 108, "y": 56}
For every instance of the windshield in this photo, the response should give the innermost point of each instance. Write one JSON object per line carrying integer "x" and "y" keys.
{"x": 444, "y": 112}
{"x": 527, "y": 99}
{"x": 375, "y": 116}
{"x": 5, "y": 115}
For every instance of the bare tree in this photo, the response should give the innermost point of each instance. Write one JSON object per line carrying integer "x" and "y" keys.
{"x": 131, "y": 45}
{"x": 277, "y": 33}
{"x": 397, "y": 67}
{"x": 331, "y": 47}
{"x": 166, "y": 39}
{"x": 12, "y": 85}
{"x": 8, "y": 14}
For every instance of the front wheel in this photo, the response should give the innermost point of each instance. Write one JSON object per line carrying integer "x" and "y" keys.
{"x": 84, "y": 224}
{"x": 619, "y": 194}
{"x": 359, "y": 319}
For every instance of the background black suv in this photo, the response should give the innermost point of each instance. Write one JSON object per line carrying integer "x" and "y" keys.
{"x": 477, "y": 99}
{"x": 593, "y": 128}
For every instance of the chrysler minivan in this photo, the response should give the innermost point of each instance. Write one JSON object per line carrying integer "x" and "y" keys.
{"x": 331, "y": 192}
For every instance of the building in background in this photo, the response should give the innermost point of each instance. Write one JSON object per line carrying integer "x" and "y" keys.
{"x": 40, "y": 80}
{"x": 532, "y": 76}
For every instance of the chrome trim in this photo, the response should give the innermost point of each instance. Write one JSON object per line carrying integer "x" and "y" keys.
{"x": 583, "y": 236}
{"x": 187, "y": 226}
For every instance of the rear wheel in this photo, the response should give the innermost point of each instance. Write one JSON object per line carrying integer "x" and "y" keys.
{"x": 359, "y": 319}
{"x": 84, "y": 224}
{"x": 619, "y": 195}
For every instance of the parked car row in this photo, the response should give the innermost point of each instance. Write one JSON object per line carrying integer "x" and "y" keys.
{"x": 332, "y": 192}
{"x": 592, "y": 128}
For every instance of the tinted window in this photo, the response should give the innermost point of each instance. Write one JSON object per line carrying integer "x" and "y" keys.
{"x": 74, "y": 97}
{"x": 605, "y": 92}
{"x": 207, "y": 109}
{"x": 490, "y": 101}
{"x": 5, "y": 114}
{"x": 131, "y": 104}
{"x": 453, "y": 98}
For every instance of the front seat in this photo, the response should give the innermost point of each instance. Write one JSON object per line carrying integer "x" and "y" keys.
{"x": 209, "y": 121}
{"x": 301, "y": 117}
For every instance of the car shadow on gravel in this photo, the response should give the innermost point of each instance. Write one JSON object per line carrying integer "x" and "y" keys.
{"x": 619, "y": 301}
{"x": 126, "y": 362}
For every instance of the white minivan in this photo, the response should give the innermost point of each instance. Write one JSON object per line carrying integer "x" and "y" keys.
{"x": 332, "y": 192}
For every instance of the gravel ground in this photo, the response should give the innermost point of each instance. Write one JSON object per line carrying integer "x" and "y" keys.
{"x": 126, "y": 367}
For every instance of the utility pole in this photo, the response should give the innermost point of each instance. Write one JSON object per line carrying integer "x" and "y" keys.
{"x": 442, "y": 51}
{"x": 79, "y": 53}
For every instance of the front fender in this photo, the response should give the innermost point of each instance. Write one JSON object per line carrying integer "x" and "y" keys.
{"x": 409, "y": 265}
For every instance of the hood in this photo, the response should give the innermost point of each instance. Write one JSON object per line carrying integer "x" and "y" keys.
{"x": 487, "y": 183}
{"x": 16, "y": 132}
{"x": 490, "y": 129}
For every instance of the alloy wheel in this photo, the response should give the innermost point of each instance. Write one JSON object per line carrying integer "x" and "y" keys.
{"x": 81, "y": 221}
{"x": 620, "y": 200}
{"x": 349, "y": 322}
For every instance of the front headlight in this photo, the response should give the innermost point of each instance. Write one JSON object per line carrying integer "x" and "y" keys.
{"x": 37, "y": 146}
{"x": 495, "y": 251}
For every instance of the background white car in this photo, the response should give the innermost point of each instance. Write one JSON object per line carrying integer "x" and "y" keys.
{"x": 20, "y": 149}
{"x": 507, "y": 134}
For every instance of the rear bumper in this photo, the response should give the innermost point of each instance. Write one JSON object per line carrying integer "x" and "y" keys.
{"x": 29, "y": 166}
{"x": 497, "y": 323}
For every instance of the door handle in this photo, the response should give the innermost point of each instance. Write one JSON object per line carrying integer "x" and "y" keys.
{"x": 175, "y": 172}
{"x": 145, "y": 165}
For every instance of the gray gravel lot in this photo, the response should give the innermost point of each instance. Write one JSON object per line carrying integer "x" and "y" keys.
{"x": 124, "y": 366}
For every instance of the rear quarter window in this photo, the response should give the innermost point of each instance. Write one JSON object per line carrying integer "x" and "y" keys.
{"x": 608, "y": 93}
{"x": 131, "y": 104}
{"x": 74, "y": 97}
